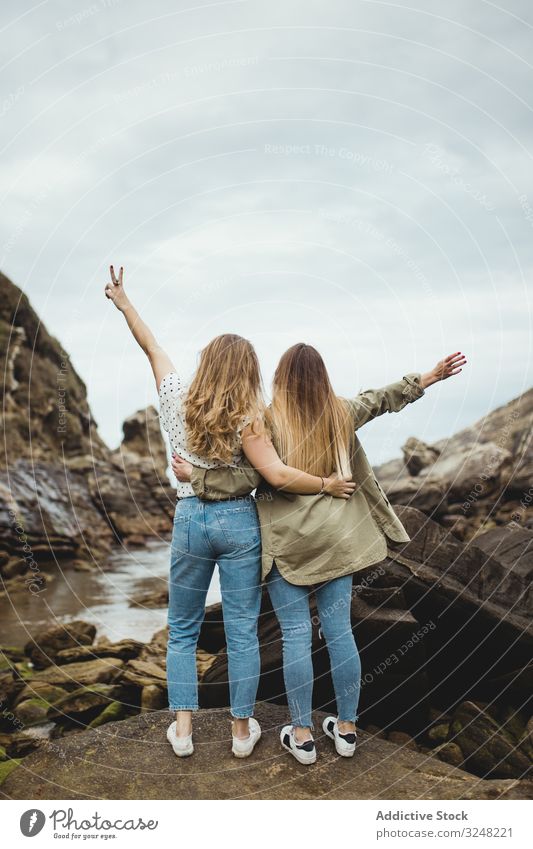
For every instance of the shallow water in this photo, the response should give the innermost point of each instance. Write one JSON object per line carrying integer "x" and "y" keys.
{"x": 101, "y": 596}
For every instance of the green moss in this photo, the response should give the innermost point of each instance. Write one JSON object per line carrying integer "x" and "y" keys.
{"x": 8, "y": 766}
{"x": 439, "y": 733}
{"x": 455, "y": 728}
{"x": 113, "y": 712}
{"x": 3, "y": 754}
{"x": 25, "y": 669}
{"x": 31, "y": 711}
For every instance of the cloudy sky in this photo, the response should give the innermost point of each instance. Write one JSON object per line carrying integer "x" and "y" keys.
{"x": 357, "y": 175}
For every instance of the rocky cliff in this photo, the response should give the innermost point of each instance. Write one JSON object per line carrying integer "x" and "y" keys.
{"x": 480, "y": 478}
{"x": 63, "y": 493}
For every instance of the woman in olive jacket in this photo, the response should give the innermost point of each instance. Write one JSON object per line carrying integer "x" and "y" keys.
{"x": 314, "y": 542}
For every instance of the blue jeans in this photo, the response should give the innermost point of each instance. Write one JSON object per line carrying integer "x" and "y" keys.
{"x": 206, "y": 533}
{"x": 291, "y": 604}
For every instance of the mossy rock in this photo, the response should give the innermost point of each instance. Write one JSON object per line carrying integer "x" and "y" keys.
{"x": 41, "y": 690}
{"x": 439, "y": 733}
{"x": 489, "y": 750}
{"x": 6, "y": 767}
{"x": 514, "y": 722}
{"x": 24, "y": 669}
{"x": 112, "y": 713}
{"x": 450, "y": 753}
{"x": 32, "y": 711}
{"x": 3, "y": 754}
{"x": 9, "y": 655}
{"x": 82, "y": 701}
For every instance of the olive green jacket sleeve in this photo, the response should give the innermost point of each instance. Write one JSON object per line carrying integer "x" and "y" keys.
{"x": 237, "y": 481}
{"x": 225, "y": 482}
{"x": 389, "y": 399}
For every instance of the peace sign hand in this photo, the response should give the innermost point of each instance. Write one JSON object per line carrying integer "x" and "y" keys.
{"x": 114, "y": 290}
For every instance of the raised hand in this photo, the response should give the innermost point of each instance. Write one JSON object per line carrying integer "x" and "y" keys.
{"x": 115, "y": 289}
{"x": 449, "y": 366}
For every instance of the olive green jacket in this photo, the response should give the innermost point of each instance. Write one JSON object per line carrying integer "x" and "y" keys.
{"x": 314, "y": 538}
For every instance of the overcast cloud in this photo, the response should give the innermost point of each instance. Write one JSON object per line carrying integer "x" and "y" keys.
{"x": 357, "y": 175}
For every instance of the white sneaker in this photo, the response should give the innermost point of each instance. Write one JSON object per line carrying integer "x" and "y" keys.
{"x": 305, "y": 753}
{"x": 183, "y": 746}
{"x": 243, "y": 747}
{"x": 344, "y": 743}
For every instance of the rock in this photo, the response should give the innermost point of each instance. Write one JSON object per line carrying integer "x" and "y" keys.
{"x": 430, "y": 496}
{"x": 63, "y": 493}
{"x": 104, "y": 670}
{"x": 512, "y": 549}
{"x": 475, "y": 472}
{"x": 402, "y": 739}
{"x": 45, "y": 645}
{"x": 144, "y": 673}
{"x": 31, "y": 711}
{"x": 132, "y": 759}
{"x": 10, "y": 687}
{"x": 153, "y": 698}
{"x": 151, "y": 598}
{"x": 125, "y": 649}
{"x": 113, "y": 712}
{"x": 438, "y": 733}
{"x": 375, "y": 731}
{"x": 19, "y": 744}
{"x": 83, "y": 703}
{"x": 41, "y": 690}
{"x": 13, "y": 567}
{"x": 418, "y": 455}
{"x": 6, "y": 767}
{"x": 142, "y": 441}
{"x": 526, "y": 741}
{"x": 488, "y": 749}
{"x": 484, "y": 471}
{"x": 477, "y": 608}
{"x": 450, "y": 753}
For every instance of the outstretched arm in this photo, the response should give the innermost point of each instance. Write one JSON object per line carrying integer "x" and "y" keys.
{"x": 395, "y": 396}
{"x": 159, "y": 360}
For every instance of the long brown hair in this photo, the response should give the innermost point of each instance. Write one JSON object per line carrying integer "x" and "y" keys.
{"x": 312, "y": 425}
{"x": 225, "y": 390}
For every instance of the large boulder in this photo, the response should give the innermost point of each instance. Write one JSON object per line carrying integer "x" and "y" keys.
{"x": 103, "y": 670}
{"x": 133, "y": 760}
{"x": 418, "y": 455}
{"x": 488, "y": 748}
{"x": 46, "y": 644}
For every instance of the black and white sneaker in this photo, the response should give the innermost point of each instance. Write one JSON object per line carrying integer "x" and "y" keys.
{"x": 305, "y": 753}
{"x": 344, "y": 743}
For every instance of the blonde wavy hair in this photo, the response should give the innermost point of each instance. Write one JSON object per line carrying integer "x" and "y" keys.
{"x": 226, "y": 389}
{"x": 312, "y": 426}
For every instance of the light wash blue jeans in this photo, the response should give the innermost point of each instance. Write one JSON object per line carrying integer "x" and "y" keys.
{"x": 206, "y": 533}
{"x": 291, "y": 604}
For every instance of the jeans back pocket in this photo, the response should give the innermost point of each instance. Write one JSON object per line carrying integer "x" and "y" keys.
{"x": 239, "y": 526}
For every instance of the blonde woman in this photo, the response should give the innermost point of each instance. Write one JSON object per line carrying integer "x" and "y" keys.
{"x": 205, "y": 422}
{"x": 315, "y": 544}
